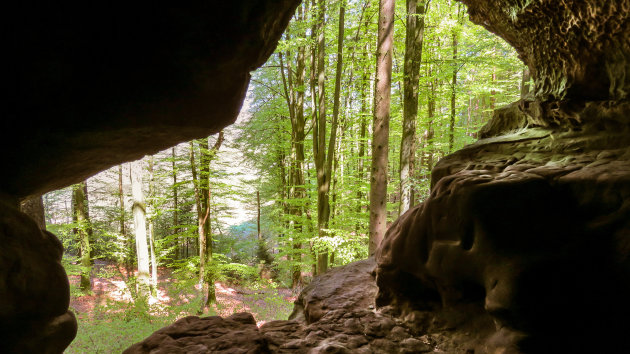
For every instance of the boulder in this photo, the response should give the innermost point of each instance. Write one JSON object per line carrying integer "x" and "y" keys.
{"x": 235, "y": 334}
{"x": 34, "y": 288}
{"x": 533, "y": 227}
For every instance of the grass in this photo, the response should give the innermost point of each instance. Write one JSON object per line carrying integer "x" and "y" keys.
{"x": 113, "y": 326}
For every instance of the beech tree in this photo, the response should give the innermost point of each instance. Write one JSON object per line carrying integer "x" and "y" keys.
{"x": 140, "y": 228}
{"x": 380, "y": 126}
{"x": 83, "y": 229}
{"x": 413, "y": 57}
{"x": 202, "y": 200}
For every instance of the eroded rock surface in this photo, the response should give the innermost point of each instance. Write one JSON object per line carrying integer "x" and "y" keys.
{"x": 235, "y": 334}
{"x": 335, "y": 314}
{"x": 34, "y": 288}
{"x": 533, "y": 227}
{"x": 576, "y": 50}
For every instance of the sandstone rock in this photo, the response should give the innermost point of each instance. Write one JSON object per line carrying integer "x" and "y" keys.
{"x": 346, "y": 328}
{"x": 413, "y": 345}
{"x": 34, "y": 288}
{"x": 576, "y": 50}
{"x": 342, "y": 288}
{"x": 235, "y": 334}
{"x": 94, "y": 85}
{"x": 538, "y": 241}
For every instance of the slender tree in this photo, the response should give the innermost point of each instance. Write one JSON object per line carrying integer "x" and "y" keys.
{"x": 83, "y": 229}
{"x": 202, "y": 197}
{"x": 140, "y": 226}
{"x": 455, "y": 70}
{"x": 151, "y": 212}
{"x": 382, "y": 99}
{"x": 413, "y": 57}
{"x": 525, "y": 82}
{"x": 176, "y": 228}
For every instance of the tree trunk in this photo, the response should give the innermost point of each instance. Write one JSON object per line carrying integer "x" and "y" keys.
{"x": 175, "y": 207}
{"x": 323, "y": 182}
{"x": 380, "y": 140}
{"x": 202, "y": 199}
{"x": 525, "y": 82}
{"x": 139, "y": 222}
{"x": 151, "y": 212}
{"x": 129, "y": 250}
{"x": 413, "y": 57}
{"x": 451, "y": 134}
{"x": 82, "y": 218}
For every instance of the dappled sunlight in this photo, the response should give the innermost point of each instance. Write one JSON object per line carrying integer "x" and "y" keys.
{"x": 112, "y": 292}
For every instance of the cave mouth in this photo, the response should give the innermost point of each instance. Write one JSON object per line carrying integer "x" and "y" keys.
{"x": 571, "y": 133}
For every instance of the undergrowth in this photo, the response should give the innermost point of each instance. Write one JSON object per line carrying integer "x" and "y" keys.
{"x": 113, "y": 326}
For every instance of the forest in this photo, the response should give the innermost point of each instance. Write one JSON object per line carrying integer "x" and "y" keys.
{"x": 336, "y": 138}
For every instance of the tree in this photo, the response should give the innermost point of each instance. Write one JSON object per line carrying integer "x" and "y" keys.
{"x": 151, "y": 207}
{"x": 202, "y": 199}
{"x": 380, "y": 137}
{"x": 83, "y": 229}
{"x": 140, "y": 227}
{"x": 413, "y": 57}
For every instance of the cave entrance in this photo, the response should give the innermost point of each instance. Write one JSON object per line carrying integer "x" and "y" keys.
{"x": 241, "y": 206}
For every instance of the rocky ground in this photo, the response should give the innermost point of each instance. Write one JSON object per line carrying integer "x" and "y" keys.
{"x": 334, "y": 314}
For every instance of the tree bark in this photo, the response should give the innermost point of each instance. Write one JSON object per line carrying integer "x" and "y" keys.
{"x": 202, "y": 198}
{"x": 82, "y": 219}
{"x": 451, "y": 134}
{"x": 151, "y": 212}
{"x": 525, "y": 82}
{"x": 413, "y": 57}
{"x": 139, "y": 222}
{"x": 175, "y": 206}
{"x": 380, "y": 140}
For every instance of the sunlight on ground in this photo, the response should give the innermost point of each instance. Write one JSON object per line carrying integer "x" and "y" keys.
{"x": 110, "y": 322}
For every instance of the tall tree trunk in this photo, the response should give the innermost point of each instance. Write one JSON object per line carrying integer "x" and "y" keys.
{"x": 82, "y": 218}
{"x": 525, "y": 82}
{"x": 413, "y": 57}
{"x": 294, "y": 93}
{"x": 430, "y": 132}
{"x": 175, "y": 206}
{"x": 380, "y": 140}
{"x": 129, "y": 251}
{"x": 202, "y": 199}
{"x": 363, "y": 114}
{"x": 451, "y": 134}
{"x": 323, "y": 183}
{"x": 151, "y": 212}
{"x": 140, "y": 226}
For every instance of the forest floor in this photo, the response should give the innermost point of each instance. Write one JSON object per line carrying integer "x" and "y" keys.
{"x": 109, "y": 320}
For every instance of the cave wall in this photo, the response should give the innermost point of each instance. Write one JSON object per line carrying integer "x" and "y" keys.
{"x": 92, "y": 85}
{"x": 576, "y": 50}
{"x": 532, "y": 222}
